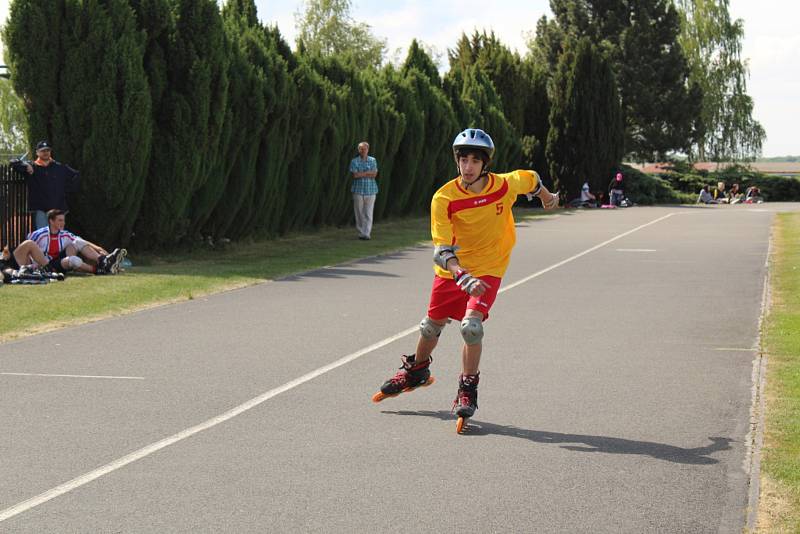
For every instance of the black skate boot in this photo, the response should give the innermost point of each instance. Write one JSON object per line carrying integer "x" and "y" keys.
{"x": 48, "y": 272}
{"x": 410, "y": 376}
{"x": 110, "y": 264}
{"x": 467, "y": 399}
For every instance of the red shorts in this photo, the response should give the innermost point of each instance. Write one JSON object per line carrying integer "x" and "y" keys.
{"x": 450, "y": 301}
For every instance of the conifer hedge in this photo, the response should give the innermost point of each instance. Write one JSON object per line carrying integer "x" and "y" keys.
{"x": 188, "y": 120}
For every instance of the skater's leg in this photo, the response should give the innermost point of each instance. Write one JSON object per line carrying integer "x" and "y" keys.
{"x": 428, "y": 338}
{"x": 467, "y": 398}
{"x": 472, "y": 331}
{"x": 28, "y": 251}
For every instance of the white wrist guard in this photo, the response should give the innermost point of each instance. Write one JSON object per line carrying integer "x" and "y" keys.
{"x": 466, "y": 281}
{"x": 443, "y": 254}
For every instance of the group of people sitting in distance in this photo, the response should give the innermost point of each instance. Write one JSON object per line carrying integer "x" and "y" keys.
{"x": 732, "y": 196}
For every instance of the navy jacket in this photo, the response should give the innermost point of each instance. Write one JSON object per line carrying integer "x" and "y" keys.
{"x": 48, "y": 186}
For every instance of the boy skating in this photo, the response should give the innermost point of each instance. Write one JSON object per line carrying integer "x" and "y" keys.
{"x": 473, "y": 233}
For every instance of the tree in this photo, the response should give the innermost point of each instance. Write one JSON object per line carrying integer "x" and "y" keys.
{"x": 191, "y": 118}
{"x": 586, "y": 135}
{"x": 12, "y": 121}
{"x": 546, "y": 44}
{"x": 660, "y": 106}
{"x": 536, "y": 119}
{"x": 501, "y": 66}
{"x": 106, "y": 109}
{"x": 418, "y": 58}
{"x": 713, "y": 46}
{"x": 640, "y": 38}
{"x": 246, "y": 110}
{"x": 34, "y": 58}
{"x": 85, "y": 89}
{"x": 326, "y": 27}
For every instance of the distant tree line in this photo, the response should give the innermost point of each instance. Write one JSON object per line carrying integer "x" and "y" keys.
{"x": 188, "y": 119}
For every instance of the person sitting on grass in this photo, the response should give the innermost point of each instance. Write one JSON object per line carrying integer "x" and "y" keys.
{"x": 20, "y": 265}
{"x": 586, "y": 200}
{"x": 734, "y": 195}
{"x": 58, "y": 245}
{"x": 706, "y": 197}
{"x": 719, "y": 193}
{"x": 753, "y": 195}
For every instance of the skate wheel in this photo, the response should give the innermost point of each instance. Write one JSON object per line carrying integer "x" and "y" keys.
{"x": 430, "y": 381}
{"x": 379, "y": 396}
{"x": 461, "y": 425}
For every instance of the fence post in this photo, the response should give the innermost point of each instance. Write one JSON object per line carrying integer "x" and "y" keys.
{"x": 15, "y": 220}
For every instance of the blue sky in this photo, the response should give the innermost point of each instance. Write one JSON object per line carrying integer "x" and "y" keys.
{"x": 771, "y": 45}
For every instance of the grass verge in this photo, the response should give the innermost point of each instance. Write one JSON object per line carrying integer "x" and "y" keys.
{"x": 156, "y": 280}
{"x": 779, "y": 506}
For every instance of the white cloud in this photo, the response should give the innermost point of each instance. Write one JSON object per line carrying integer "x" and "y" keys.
{"x": 772, "y": 47}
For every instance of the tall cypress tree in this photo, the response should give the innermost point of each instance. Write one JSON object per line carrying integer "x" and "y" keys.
{"x": 640, "y": 38}
{"x": 586, "y": 135}
{"x": 660, "y": 105}
{"x": 316, "y": 105}
{"x": 92, "y": 102}
{"x": 108, "y": 113}
{"x": 35, "y": 58}
{"x": 189, "y": 145}
{"x": 503, "y": 68}
{"x": 423, "y": 160}
{"x": 479, "y": 106}
{"x": 246, "y": 117}
{"x": 278, "y": 148}
{"x": 537, "y": 119}
{"x": 417, "y": 58}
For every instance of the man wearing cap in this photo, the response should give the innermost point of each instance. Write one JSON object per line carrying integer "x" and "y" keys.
{"x": 48, "y": 183}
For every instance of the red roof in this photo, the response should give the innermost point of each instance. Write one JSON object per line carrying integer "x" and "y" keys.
{"x": 768, "y": 167}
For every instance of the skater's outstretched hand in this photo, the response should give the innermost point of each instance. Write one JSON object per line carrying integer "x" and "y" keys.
{"x": 549, "y": 200}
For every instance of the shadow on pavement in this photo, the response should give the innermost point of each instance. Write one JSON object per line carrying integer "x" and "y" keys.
{"x": 584, "y": 443}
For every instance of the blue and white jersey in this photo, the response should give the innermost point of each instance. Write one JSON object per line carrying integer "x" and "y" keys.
{"x": 52, "y": 244}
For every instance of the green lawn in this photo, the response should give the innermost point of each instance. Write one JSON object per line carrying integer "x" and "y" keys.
{"x": 157, "y": 280}
{"x": 780, "y": 497}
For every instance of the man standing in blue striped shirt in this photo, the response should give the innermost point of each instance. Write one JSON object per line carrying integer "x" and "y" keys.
{"x": 364, "y": 169}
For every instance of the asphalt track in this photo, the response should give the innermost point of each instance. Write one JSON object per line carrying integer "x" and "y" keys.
{"x": 615, "y": 396}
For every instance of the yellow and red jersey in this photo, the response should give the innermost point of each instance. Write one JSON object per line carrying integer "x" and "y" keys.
{"x": 480, "y": 224}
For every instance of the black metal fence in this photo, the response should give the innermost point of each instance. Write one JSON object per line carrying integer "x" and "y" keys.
{"x": 15, "y": 221}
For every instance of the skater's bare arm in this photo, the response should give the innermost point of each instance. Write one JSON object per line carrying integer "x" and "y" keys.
{"x": 530, "y": 183}
{"x": 549, "y": 200}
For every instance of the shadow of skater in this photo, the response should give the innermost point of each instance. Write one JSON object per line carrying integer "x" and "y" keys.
{"x": 584, "y": 443}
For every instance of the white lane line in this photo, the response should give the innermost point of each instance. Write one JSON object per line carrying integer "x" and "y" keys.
{"x": 180, "y": 436}
{"x": 252, "y": 403}
{"x": 736, "y": 349}
{"x": 636, "y": 250}
{"x": 585, "y": 252}
{"x": 75, "y": 376}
